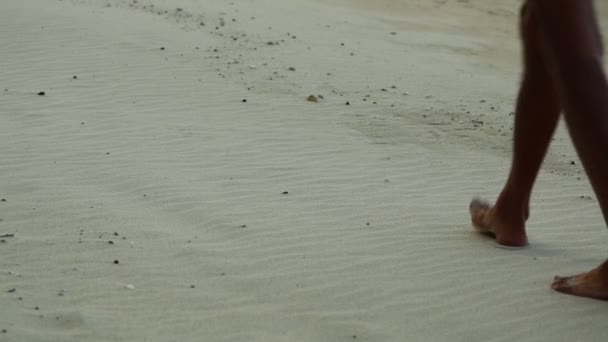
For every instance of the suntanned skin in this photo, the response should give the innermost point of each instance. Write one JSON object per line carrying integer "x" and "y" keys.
{"x": 563, "y": 73}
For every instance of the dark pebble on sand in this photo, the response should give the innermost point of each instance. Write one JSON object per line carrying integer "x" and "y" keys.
{"x": 115, "y": 233}
{"x": 12, "y": 290}
{"x": 292, "y": 69}
{"x": 347, "y": 103}
{"x": 4, "y": 331}
{"x": 116, "y": 262}
{"x": 110, "y": 242}
{"x": 285, "y": 192}
{"x": 192, "y": 286}
{"x": 36, "y": 308}
{"x": 244, "y": 100}
{"x": 3, "y": 200}
{"x": 74, "y": 77}
{"x": 162, "y": 48}
{"x": 312, "y": 98}
{"x": 41, "y": 93}
{"x": 243, "y": 226}
{"x": 572, "y": 162}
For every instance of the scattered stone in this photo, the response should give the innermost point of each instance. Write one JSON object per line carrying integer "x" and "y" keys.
{"x": 270, "y": 43}
{"x": 3, "y": 200}
{"x": 41, "y": 93}
{"x": 292, "y": 69}
{"x": 4, "y": 331}
{"x": 321, "y": 97}
{"x": 162, "y": 48}
{"x": 116, "y": 262}
{"x": 74, "y": 77}
{"x": 243, "y": 226}
{"x": 110, "y": 242}
{"x": 62, "y": 292}
{"x": 285, "y": 192}
{"x": 36, "y": 308}
{"x": 12, "y": 290}
{"x": 393, "y": 33}
{"x": 367, "y": 224}
{"x": 347, "y": 103}
{"x": 244, "y": 100}
{"x": 312, "y": 98}
{"x": 192, "y": 286}
{"x": 115, "y": 233}
{"x": 572, "y": 162}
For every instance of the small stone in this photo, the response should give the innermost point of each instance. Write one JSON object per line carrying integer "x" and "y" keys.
{"x": 74, "y": 77}
{"x": 110, "y": 242}
{"x": 244, "y": 100}
{"x": 572, "y": 162}
{"x": 192, "y": 286}
{"x": 312, "y": 98}
{"x": 116, "y": 262}
{"x": 12, "y": 290}
{"x": 162, "y": 48}
{"x": 367, "y": 224}
{"x": 41, "y": 93}
{"x": 292, "y": 69}
{"x": 270, "y": 43}
{"x": 36, "y": 308}
{"x": 347, "y": 103}
{"x": 130, "y": 286}
{"x": 4, "y": 331}
{"x": 285, "y": 192}
{"x": 115, "y": 233}
{"x": 3, "y": 200}
{"x": 243, "y": 226}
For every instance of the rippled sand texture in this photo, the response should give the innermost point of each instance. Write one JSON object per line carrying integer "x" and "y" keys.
{"x": 173, "y": 183}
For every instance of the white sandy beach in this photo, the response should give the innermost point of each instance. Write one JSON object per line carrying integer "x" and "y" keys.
{"x": 173, "y": 183}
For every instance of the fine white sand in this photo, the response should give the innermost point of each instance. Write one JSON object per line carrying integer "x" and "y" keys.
{"x": 275, "y": 219}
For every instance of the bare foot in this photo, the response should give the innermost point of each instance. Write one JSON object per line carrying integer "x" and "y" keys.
{"x": 486, "y": 221}
{"x": 592, "y": 284}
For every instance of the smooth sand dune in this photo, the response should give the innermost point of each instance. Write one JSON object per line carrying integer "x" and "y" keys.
{"x": 182, "y": 188}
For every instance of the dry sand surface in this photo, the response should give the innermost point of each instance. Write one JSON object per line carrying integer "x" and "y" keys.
{"x": 173, "y": 183}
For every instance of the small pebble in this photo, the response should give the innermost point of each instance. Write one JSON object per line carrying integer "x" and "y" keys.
{"x": 244, "y": 100}
{"x": 12, "y": 290}
{"x": 130, "y": 287}
{"x": 74, "y": 77}
{"x": 243, "y": 226}
{"x": 162, "y": 48}
{"x": 4, "y": 331}
{"x": 3, "y": 200}
{"x": 36, "y": 308}
{"x": 41, "y": 93}
{"x": 111, "y": 242}
{"x": 312, "y": 98}
{"x": 572, "y": 162}
{"x": 347, "y": 103}
{"x": 192, "y": 286}
{"x": 116, "y": 262}
{"x": 285, "y": 192}
{"x": 292, "y": 69}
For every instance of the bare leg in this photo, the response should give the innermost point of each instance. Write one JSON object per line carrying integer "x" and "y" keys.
{"x": 574, "y": 50}
{"x": 536, "y": 117}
